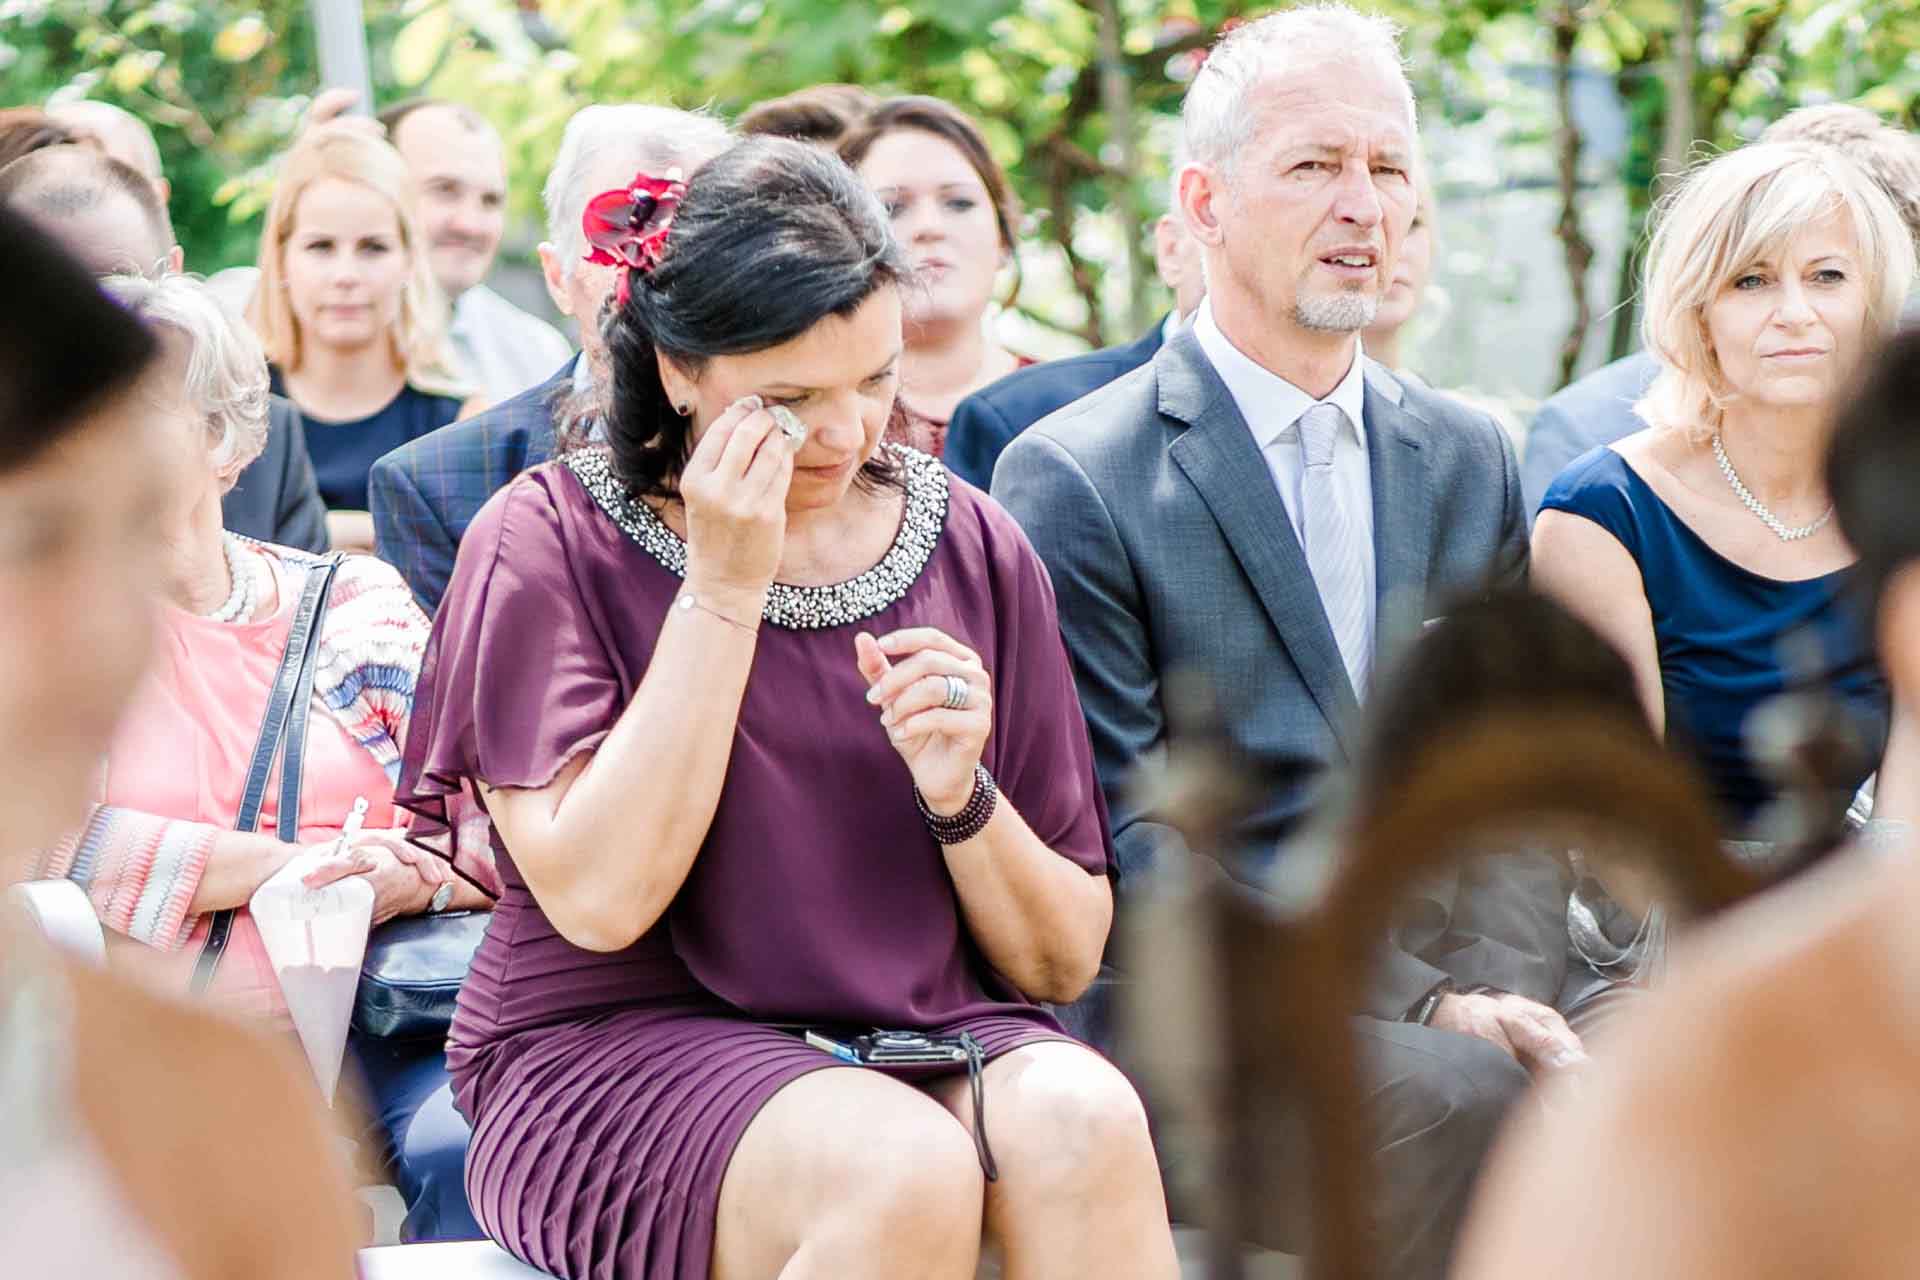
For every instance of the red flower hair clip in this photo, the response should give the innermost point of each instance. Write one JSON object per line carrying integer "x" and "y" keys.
{"x": 628, "y": 228}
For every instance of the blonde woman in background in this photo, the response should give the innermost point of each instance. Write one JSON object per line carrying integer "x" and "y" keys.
{"x": 353, "y": 324}
{"x": 1702, "y": 546}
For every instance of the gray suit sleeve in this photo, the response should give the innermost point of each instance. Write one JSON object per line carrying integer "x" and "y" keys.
{"x": 1510, "y": 557}
{"x": 976, "y": 435}
{"x": 301, "y": 520}
{"x": 1553, "y": 441}
{"x": 1102, "y": 619}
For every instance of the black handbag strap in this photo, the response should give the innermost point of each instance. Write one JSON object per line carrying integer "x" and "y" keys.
{"x": 292, "y": 688}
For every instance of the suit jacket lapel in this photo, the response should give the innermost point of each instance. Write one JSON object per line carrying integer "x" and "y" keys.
{"x": 1402, "y": 515}
{"x": 1218, "y": 455}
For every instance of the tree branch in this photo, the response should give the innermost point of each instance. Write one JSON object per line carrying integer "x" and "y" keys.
{"x": 1565, "y": 24}
{"x": 1752, "y": 45}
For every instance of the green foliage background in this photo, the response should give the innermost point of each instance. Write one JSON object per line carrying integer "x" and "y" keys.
{"x": 225, "y": 84}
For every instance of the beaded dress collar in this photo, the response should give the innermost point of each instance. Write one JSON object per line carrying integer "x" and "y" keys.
{"x": 791, "y": 607}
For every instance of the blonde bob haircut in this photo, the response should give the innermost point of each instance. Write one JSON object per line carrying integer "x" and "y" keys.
{"x": 1730, "y": 213}
{"x": 419, "y": 335}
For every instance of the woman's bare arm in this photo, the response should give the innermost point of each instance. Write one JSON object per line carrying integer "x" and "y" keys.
{"x": 607, "y": 844}
{"x": 1586, "y": 569}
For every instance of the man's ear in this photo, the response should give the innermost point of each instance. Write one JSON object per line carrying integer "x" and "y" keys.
{"x": 553, "y": 271}
{"x": 176, "y": 260}
{"x": 1200, "y": 187}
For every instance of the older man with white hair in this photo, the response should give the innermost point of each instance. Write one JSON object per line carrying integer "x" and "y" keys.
{"x": 1265, "y": 507}
{"x": 426, "y": 493}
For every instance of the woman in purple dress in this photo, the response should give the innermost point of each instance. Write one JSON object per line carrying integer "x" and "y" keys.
{"x": 776, "y": 730}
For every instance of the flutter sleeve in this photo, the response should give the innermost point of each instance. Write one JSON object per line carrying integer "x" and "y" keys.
{"x": 1039, "y": 754}
{"x": 516, "y": 680}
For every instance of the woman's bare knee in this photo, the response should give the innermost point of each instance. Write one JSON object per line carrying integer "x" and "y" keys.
{"x": 844, "y": 1172}
{"x": 1064, "y": 1111}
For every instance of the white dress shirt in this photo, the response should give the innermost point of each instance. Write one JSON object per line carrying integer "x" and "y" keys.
{"x": 500, "y": 349}
{"x": 1272, "y": 407}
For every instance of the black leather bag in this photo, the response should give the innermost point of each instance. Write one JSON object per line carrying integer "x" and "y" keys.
{"x": 412, "y": 974}
{"x": 282, "y": 727}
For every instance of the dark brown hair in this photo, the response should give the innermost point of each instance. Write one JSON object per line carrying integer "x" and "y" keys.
{"x": 944, "y": 120}
{"x": 65, "y": 347}
{"x": 821, "y": 114}
{"x": 772, "y": 237}
{"x": 1873, "y": 466}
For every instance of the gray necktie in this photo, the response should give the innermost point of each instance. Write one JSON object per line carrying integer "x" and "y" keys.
{"x": 1332, "y": 538}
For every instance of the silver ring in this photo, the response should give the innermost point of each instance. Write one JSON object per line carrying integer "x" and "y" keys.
{"x": 958, "y": 693}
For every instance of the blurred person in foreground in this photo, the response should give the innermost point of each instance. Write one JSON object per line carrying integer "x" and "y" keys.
{"x": 424, "y": 494}
{"x": 955, "y": 214}
{"x": 97, "y": 1141}
{"x": 1703, "y": 547}
{"x": 459, "y": 171}
{"x": 1599, "y": 408}
{"x": 1266, "y": 508}
{"x": 158, "y": 854}
{"x": 700, "y": 676}
{"x": 1761, "y": 1122}
{"x": 820, "y": 114}
{"x": 351, "y": 318}
{"x": 985, "y": 422}
{"x": 112, "y": 219}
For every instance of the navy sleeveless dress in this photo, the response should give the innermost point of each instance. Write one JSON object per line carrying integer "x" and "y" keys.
{"x": 1723, "y": 631}
{"x": 344, "y": 452}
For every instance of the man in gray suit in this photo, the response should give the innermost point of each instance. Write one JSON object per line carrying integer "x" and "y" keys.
{"x": 1264, "y": 507}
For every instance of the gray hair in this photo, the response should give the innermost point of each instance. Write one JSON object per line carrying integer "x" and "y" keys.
{"x": 1214, "y": 121}
{"x": 652, "y": 139}
{"x": 226, "y": 379}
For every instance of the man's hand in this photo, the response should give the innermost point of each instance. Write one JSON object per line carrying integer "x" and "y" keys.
{"x": 1536, "y": 1035}
{"x": 331, "y": 106}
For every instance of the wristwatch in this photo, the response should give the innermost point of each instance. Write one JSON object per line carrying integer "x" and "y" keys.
{"x": 441, "y": 898}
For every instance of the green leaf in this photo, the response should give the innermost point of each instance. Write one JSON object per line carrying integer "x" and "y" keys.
{"x": 419, "y": 46}
{"x": 241, "y": 41}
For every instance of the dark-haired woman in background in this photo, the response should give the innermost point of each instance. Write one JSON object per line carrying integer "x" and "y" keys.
{"x": 955, "y": 215}
{"x": 775, "y": 727}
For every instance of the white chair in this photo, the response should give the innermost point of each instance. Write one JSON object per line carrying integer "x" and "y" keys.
{"x": 464, "y": 1260}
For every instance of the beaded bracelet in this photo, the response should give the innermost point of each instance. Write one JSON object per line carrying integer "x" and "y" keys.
{"x": 972, "y": 819}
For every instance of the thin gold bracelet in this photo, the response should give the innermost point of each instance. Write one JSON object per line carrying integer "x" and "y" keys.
{"x": 689, "y": 601}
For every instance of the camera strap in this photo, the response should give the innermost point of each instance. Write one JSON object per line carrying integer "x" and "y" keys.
{"x": 977, "y": 1081}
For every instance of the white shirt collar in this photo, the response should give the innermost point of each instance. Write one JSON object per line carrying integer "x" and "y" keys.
{"x": 1270, "y": 404}
{"x": 1170, "y": 326}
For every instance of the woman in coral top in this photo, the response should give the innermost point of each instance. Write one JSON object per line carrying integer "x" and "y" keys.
{"x": 159, "y": 855}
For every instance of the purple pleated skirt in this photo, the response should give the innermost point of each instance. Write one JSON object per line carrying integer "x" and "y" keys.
{"x": 599, "y": 1146}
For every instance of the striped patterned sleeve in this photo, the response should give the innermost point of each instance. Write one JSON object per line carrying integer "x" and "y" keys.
{"x": 140, "y": 870}
{"x": 370, "y": 650}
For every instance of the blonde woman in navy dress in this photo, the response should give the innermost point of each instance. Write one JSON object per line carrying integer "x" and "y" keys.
{"x": 775, "y": 726}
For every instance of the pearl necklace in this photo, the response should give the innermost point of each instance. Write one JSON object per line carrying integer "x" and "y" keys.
{"x": 240, "y": 601}
{"x": 1780, "y": 529}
